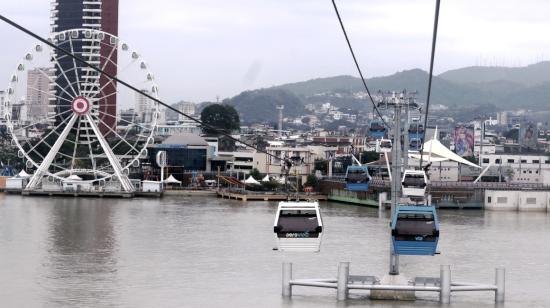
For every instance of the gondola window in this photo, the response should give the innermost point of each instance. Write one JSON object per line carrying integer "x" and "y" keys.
{"x": 298, "y": 224}
{"x": 416, "y": 227}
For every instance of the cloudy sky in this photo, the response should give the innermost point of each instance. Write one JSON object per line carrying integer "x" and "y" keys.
{"x": 201, "y": 49}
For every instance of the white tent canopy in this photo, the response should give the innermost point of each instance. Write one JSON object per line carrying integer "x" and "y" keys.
{"x": 73, "y": 177}
{"x": 251, "y": 181}
{"x": 266, "y": 178}
{"x": 434, "y": 151}
{"x": 171, "y": 180}
{"x": 23, "y": 174}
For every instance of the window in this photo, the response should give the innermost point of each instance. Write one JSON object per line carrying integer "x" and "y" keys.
{"x": 524, "y": 171}
{"x": 524, "y": 161}
{"x": 531, "y": 201}
{"x": 547, "y": 161}
{"x": 502, "y": 200}
{"x": 300, "y": 221}
{"x": 511, "y": 161}
{"x": 497, "y": 161}
{"x": 485, "y": 160}
{"x": 536, "y": 161}
{"x": 530, "y": 171}
{"x": 410, "y": 226}
{"x": 488, "y": 199}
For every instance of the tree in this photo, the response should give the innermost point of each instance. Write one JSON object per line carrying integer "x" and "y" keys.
{"x": 367, "y": 157}
{"x": 221, "y": 116}
{"x": 255, "y": 173}
{"x": 312, "y": 181}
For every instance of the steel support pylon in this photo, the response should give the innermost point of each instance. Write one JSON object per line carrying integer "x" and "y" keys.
{"x": 117, "y": 167}
{"x": 36, "y": 179}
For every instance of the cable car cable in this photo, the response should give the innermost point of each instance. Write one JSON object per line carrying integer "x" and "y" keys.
{"x": 434, "y": 40}
{"x": 114, "y": 78}
{"x": 357, "y": 64}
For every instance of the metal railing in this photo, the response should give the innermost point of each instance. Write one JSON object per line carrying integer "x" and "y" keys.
{"x": 443, "y": 284}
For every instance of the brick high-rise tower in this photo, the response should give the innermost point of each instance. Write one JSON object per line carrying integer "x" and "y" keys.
{"x": 97, "y": 15}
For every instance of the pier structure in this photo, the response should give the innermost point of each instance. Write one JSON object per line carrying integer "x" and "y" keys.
{"x": 262, "y": 196}
{"x": 344, "y": 283}
{"x": 454, "y": 195}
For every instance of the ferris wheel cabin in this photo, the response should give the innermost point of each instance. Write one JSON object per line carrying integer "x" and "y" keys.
{"x": 415, "y": 230}
{"x": 357, "y": 178}
{"x": 298, "y": 226}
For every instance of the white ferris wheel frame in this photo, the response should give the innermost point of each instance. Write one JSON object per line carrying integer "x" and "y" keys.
{"x": 83, "y": 96}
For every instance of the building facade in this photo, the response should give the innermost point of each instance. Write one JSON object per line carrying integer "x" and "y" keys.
{"x": 185, "y": 152}
{"x": 520, "y": 168}
{"x": 38, "y": 87}
{"x": 95, "y": 49}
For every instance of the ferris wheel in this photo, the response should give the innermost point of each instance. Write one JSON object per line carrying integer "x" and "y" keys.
{"x": 68, "y": 120}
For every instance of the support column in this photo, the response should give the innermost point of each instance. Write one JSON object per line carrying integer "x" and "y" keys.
{"x": 287, "y": 276}
{"x": 500, "y": 282}
{"x": 382, "y": 197}
{"x": 342, "y": 285}
{"x": 45, "y": 165}
{"x": 396, "y": 182}
{"x": 445, "y": 280}
{"x": 113, "y": 160}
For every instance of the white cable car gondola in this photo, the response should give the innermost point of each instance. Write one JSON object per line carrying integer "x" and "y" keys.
{"x": 298, "y": 226}
{"x": 414, "y": 183}
{"x": 383, "y": 145}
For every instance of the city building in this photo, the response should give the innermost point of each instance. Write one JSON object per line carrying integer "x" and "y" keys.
{"x": 302, "y": 156}
{"x": 38, "y": 87}
{"x": 187, "y": 108}
{"x": 96, "y": 15}
{"x": 2, "y": 107}
{"x": 143, "y": 107}
{"x": 170, "y": 128}
{"x": 184, "y": 152}
{"x": 520, "y": 168}
{"x": 239, "y": 161}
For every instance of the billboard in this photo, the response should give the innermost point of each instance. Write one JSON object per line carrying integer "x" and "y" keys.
{"x": 463, "y": 137}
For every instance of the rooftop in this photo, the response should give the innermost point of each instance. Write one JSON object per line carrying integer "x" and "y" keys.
{"x": 185, "y": 139}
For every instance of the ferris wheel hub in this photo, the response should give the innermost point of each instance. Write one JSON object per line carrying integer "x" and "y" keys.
{"x": 81, "y": 105}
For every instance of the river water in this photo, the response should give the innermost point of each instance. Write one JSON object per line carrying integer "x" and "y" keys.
{"x": 207, "y": 252}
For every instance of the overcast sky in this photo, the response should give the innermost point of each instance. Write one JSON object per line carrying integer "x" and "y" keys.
{"x": 199, "y": 49}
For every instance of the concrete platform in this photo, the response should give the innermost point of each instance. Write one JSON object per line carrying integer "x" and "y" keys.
{"x": 393, "y": 280}
{"x": 79, "y": 194}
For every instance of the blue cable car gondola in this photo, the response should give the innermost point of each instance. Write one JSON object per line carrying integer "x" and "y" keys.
{"x": 377, "y": 130}
{"x": 357, "y": 178}
{"x": 415, "y": 230}
{"x": 415, "y": 144}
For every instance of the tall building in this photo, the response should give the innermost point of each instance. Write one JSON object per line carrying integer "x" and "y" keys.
{"x": 100, "y": 91}
{"x": 2, "y": 108}
{"x": 187, "y": 108}
{"x": 144, "y": 107}
{"x": 38, "y": 87}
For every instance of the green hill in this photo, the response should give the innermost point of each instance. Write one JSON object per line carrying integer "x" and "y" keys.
{"x": 471, "y": 87}
{"x": 531, "y": 75}
{"x": 260, "y": 105}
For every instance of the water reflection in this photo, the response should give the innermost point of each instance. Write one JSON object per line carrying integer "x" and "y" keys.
{"x": 81, "y": 261}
